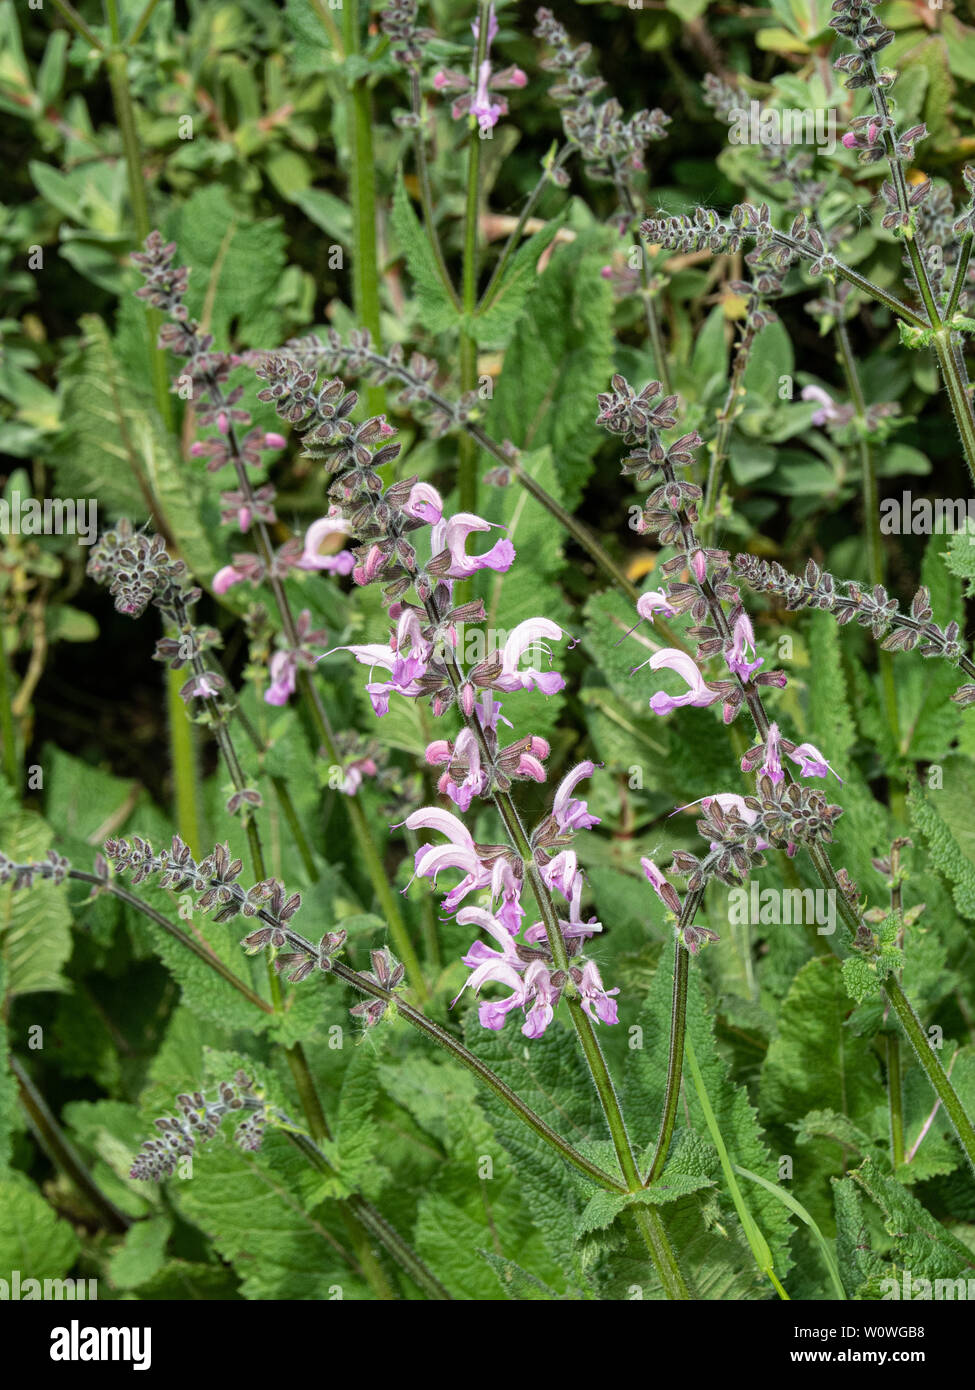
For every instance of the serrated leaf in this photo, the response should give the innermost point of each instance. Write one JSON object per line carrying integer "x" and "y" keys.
{"x": 141, "y": 1254}
{"x": 437, "y": 311}
{"x": 35, "y": 923}
{"x": 33, "y": 1238}
{"x": 248, "y": 1205}
{"x": 559, "y": 357}
{"x": 494, "y": 325}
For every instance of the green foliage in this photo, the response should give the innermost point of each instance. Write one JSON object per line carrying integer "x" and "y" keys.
{"x": 283, "y": 149}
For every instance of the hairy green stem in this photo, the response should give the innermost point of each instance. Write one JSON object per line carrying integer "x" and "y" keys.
{"x": 198, "y": 949}
{"x": 678, "y": 1030}
{"x": 8, "y": 730}
{"x": 78, "y": 24}
{"x": 467, "y": 453}
{"x": 721, "y": 446}
{"x": 871, "y": 523}
{"x": 651, "y": 1226}
{"x": 933, "y": 1069}
{"x": 961, "y": 275}
{"x": 426, "y": 190}
{"x": 895, "y": 1098}
{"x": 62, "y": 1152}
{"x": 365, "y": 255}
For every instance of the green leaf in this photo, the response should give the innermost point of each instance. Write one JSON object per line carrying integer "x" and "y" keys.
{"x": 357, "y": 1134}
{"x": 814, "y": 1063}
{"x": 35, "y": 924}
{"x": 494, "y": 324}
{"x": 561, "y": 354}
{"x": 235, "y": 267}
{"x": 550, "y": 1076}
{"x": 944, "y": 819}
{"x": 33, "y": 1238}
{"x": 141, "y": 1254}
{"x": 248, "y": 1204}
{"x": 787, "y": 1199}
{"x": 732, "y": 1112}
{"x": 517, "y": 1282}
{"x": 437, "y": 311}
{"x": 919, "y": 1243}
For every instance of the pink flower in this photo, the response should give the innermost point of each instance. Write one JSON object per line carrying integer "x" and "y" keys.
{"x": 596, "y": 999}
{"x": 540, "y": 989}
{"x": 654, "y": 601}
{"x": 451, "y": 535}
{"x": 743, "y": 641}
{"x": 402, "y": 673}
{"x": 665, "y": 891}
{"x": 460, "y": 852}
{"x": 811, "y": 762}
{"x": 355, "y": 774}
{"x": 571, "y": 814}
{"x": 424, "y": 504}
{"x": 772, "y": 767}
{"x": 319, "y": 531}
{"x": 226, "y": 578}
{"x": 526, "y": 635}
{"x": 697, "y": 693}
{"x": 282, "y": 687}
{"x": 816, "y": 393}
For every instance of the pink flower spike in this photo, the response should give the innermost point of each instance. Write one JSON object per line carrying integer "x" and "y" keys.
{"x": 697, "y": 693}
{"x": 811, "y": 762}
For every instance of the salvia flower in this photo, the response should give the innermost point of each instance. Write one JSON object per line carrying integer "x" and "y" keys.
{"x": 698, "y": 692}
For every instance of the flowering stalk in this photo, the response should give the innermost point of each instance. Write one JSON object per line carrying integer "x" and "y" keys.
{"x": 165, "y": 286}
{"x": 419, "y": 662}
{"x": 782, "y": 814}
{"x": 408, "y": 40}
{"x": 611, "y": 149}
{"x": 360, "y": 357}
{"x": 873, "y": 609}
